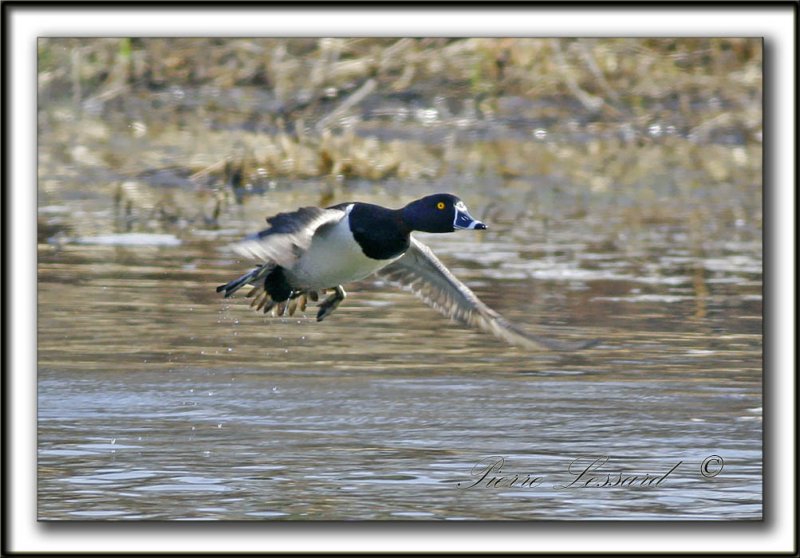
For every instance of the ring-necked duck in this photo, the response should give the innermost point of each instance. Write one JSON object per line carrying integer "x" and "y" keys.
{"x": 313, "y": 249}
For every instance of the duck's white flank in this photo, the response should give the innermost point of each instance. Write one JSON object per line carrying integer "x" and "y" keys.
{"x": 334, "y": 258}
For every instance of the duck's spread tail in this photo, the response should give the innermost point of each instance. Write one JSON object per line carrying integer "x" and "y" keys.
{"x": 270, "y": 292}
{"x": 264, "y": 302}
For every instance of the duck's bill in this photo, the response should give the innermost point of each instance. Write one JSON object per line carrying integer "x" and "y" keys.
{"x": 464, "y": 220}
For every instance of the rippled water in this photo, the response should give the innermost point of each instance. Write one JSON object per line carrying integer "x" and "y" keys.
{"x": 160, "y": 400}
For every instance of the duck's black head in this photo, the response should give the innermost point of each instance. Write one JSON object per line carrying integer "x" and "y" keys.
{"x": 439, "y": 213}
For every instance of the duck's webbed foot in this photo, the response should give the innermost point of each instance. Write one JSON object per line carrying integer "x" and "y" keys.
{"x": 331, "y": 303}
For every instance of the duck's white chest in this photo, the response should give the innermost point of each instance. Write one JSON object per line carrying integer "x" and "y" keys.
{"x": 334, "y": 258}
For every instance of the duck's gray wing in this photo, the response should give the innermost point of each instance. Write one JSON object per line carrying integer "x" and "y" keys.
{"x": 421, "y": 272}
{"x": 288, "y": 236}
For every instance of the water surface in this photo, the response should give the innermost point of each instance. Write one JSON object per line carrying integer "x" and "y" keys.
{"x": 160, "y": 400}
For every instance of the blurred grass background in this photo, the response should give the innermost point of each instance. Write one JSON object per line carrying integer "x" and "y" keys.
{"x": 662, "y": 118}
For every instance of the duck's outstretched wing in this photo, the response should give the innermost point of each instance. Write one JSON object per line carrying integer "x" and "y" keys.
{"x": 288, "y": 236}
{"x": 421, "y": 272}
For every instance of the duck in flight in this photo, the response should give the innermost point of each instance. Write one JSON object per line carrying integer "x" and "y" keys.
{"x": 312, "y": 250}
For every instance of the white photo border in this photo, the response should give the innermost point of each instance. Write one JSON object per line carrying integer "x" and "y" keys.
{"x": 24, "y": 22}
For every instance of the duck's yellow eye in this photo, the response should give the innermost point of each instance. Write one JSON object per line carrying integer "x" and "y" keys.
{"x": 440, "y": 205}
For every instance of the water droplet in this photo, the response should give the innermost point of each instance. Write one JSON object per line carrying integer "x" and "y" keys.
{"x": 138, "y": 128}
